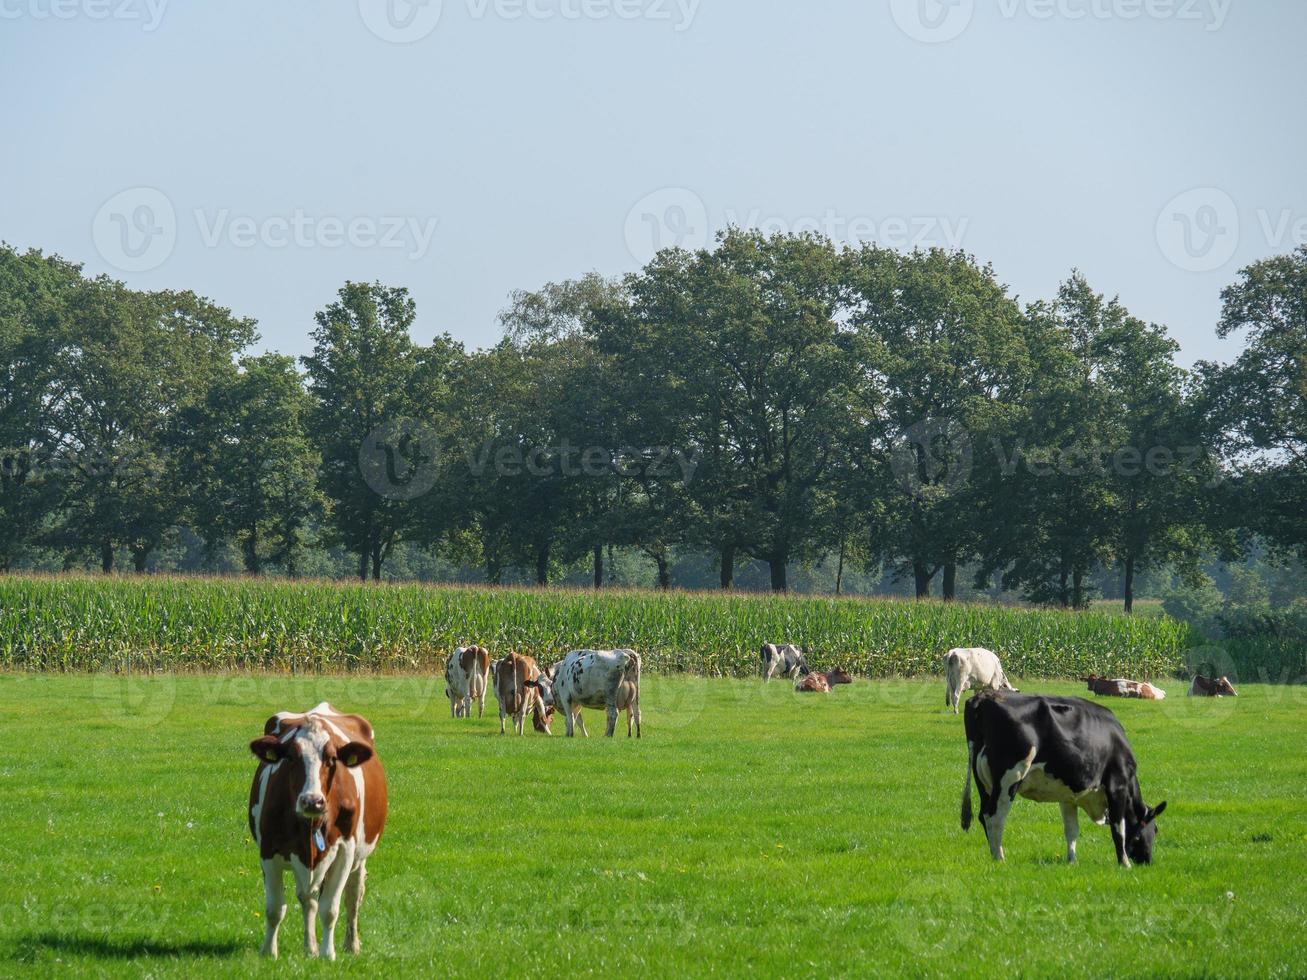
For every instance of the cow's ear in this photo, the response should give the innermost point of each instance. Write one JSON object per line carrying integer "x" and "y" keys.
{"x": 1155, "y": 813}
{"x": 269, "y": 748}
{"x": 354, "y": 754}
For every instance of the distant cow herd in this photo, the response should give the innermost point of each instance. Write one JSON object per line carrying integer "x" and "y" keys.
{"x": 318, "y": 801}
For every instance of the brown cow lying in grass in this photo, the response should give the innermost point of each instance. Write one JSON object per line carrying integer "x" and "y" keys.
{"x": 1121, "y": 688}
{"x": 815, "y": 683}
{"x": 1211, "y": 687}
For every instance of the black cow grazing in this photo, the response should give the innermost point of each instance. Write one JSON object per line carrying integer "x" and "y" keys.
{"x": 1055, "y": 750}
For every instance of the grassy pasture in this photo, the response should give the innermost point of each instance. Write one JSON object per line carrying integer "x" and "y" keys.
{"x": 83, "y": 624}
{"x": 750, "y": 830}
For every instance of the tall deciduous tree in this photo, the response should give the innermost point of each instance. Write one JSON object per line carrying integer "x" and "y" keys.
{"x": 361, "y": 377}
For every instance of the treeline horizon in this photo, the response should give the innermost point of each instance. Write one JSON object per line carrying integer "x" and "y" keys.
{"x": 772, "y": 399}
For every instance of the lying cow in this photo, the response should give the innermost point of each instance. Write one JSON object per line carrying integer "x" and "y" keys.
{"x": 783, "y": 661}
{"x": 1067, "y": 751}
{"x": 317, "y": 807}
{"x": 521, "y": 689}
{"x": 1208, "y": 687}
{"x": 467, "y": 674}
{"x": 968, "y": 668}
{"x": 818, "y": 683}
{"x": 608, "y": 679}
{"x": 1122, "y": 688}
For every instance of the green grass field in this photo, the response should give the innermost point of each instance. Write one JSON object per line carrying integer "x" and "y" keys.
{"x": 749, "y": 830}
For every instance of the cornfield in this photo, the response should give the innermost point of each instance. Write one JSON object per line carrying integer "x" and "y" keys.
{"x": 187, "y": 624}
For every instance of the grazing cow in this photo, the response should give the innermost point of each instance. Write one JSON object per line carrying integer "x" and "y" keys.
{"x": 467, "y": 673}
{"x": 521, "y": 689}
{"x": 317, "y": 807}
{"x": 1210, "y": 687}
{"x": 817, "y": 683}
{"x": 968, "y": 668}
{"x": 1067, "y": 751}
{"x": 783, "y": 661}
{"x": 608, "y": 679}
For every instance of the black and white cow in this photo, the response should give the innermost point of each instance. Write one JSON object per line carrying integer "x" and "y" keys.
{"x": 1067, "y": 751}
{"x": 608, "y": 679}
{"x": 783, "y": 661}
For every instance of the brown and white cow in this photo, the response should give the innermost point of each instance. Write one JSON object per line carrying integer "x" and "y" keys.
{"x": 1121, "y": 688}
{"x": 818, "y": 683}
{"x": 467, "y": 674}
{"x": 1211, "y": 687}
{"x": 521, "y": 689}
{"x": 317, "y": 808}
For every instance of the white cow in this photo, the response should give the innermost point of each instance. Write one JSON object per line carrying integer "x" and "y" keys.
{"x": 969, "y": 668}
{"x": 467, "y": 674}
{"x": 783, "y": 661}
{"x": 608, "y": 679}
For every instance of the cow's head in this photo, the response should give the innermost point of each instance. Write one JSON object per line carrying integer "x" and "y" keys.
{"x": 1139, "y": 842}
{"x": 839, "y": 676}
{"x": 543, "y": 685}
{"x": 314, "y": 762}
{"x": 1223, "y": 687}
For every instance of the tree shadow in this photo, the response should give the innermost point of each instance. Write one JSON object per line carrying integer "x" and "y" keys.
{"x": 124, "y": 948}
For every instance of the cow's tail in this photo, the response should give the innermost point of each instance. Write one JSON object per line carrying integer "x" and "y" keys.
{"x": 635, "y": 698}
{"x": 966, "y": 787}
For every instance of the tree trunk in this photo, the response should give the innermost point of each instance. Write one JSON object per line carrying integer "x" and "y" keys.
{"x": 1063, "y": 595}
{"x": 106, "y": 556}
{"x": 250, "y": 547}
{"x": 921, "y": 577}
{"x": 1129, "y": 585}
{"x": 778, "y": 580}
{"x": 950, "y": 581}
{"x": 542, "y": 565}
{"x": 363, "y": 564}
{"x": 1078, "y": 589}
{"x": 599, "y": 566}
{"x": 376, "y": 563}
{"x": 664, "y": 571}
{"x": 139, "y": 558}
{"x": 839, "y": 571}
{"x": 728, "y": 566}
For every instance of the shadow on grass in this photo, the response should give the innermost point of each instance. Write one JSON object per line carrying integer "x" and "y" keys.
{"x": 31, "y": 947}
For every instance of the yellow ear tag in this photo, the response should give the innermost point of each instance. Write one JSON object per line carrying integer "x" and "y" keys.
{"x": 352, "y": 761}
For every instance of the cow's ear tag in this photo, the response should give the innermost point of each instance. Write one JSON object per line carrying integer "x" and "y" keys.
{"x": 319, "y": 840}
{"x": 352, "y": 761}
{"x": 271, "y": 755}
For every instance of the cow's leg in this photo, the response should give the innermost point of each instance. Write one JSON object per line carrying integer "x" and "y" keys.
{"x": 964, "y": 683}
{"x": 610, "y": 709}
{"x": 569, "y": 718}
{"x": 308, "y": 904}
{"x": 1004, "y": 793}
{"x": 1071, "y": 827}
{"x": 453, "y": 707}
{"x": 274, "y": 903}
{"x": 1116, "y": 804}
{"x": 355, "y": 888}
{"x": 580, "y": 721}
{"x": 501, "y": 717}
{"x": 333, "y": 888}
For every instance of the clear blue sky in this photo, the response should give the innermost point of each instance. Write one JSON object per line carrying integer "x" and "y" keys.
{"x": 1046, "y": 134}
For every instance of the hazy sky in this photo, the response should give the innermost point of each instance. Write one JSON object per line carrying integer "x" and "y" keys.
{"x": 263, "y": 152}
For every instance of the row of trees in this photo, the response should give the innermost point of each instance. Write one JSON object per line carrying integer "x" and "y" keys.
{"x": 777, "y": 399}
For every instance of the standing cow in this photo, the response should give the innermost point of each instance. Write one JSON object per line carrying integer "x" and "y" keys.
{"x": 783, "y": 661}
{"x": 608, "y": 679}
{"x": 317, "y": 807}
{"x": 521, "y": 689}
{"x": 467, "y": 674}
{"x": 968, "y": 668}
{"x": 1067, "y": 751}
